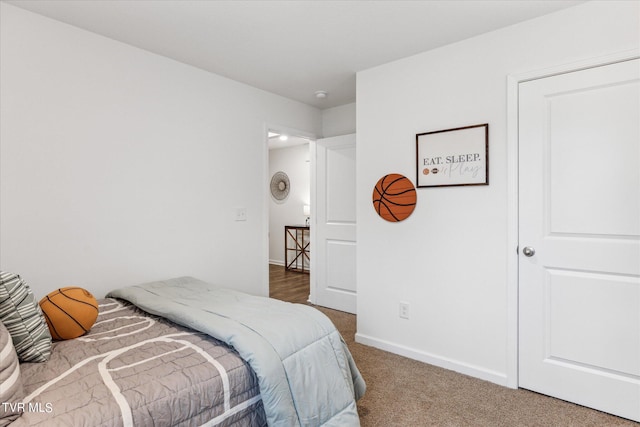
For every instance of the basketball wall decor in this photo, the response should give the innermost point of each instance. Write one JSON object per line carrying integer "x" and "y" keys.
{"x": 70, "y": 312}
{"x": 394, "y": 197}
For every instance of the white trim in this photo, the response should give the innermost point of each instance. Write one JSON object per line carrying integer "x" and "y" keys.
{"x": 512, "y": 231}
{"x": 313, "y": 194}
{"x": 513, "y": 80}
{"x": 583, "y": 64}
{"x": 281, "y": 264}
{"x": 432, "y": 359}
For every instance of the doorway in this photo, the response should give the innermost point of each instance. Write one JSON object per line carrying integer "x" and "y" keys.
{"x": 288, "y": 204}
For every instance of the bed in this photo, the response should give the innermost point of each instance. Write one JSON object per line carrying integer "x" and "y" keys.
{"x": 184, "y": 353}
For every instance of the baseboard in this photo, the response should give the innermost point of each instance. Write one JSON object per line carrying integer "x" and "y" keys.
{"x": 443, "y": 362}
{"x": 281, "y": 264}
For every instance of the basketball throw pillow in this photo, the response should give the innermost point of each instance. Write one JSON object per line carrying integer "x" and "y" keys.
{"x": 70, "y": 312}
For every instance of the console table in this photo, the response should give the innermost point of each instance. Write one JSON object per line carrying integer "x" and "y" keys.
{"x": 296, "y": 248}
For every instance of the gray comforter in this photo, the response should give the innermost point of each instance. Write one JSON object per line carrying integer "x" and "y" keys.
{"x": 306, "y": 374}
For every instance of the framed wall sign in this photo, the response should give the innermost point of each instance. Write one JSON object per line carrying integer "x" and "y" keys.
{"x": 452, "y": 157}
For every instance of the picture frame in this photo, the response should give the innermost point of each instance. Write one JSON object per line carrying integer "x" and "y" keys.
{"x": 453, "y": 157}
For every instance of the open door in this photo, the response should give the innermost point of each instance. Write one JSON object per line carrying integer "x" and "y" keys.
{"x": 333, "y": 223}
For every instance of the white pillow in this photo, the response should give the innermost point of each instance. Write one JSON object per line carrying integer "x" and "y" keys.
{"x": 11, "y": 391}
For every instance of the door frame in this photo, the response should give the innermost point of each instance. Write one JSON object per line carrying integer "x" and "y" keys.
{"x": 266, "y": 190}
{"x": 513, "y": 81}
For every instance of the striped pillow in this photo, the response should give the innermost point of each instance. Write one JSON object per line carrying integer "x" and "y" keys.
{"x": 21, "y": 314}
{"x": 11, "y": 390}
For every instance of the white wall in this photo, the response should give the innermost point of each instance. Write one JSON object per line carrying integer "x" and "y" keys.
{"x": 339, "y": 120}
{"x": 119, "y": 166}
{"x": 449, "y": 259}
{"x": 294, "y": 161}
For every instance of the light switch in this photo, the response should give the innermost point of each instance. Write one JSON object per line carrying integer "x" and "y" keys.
{"x": 241, "y": 214}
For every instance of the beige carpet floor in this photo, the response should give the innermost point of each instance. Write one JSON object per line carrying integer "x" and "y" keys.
{"x": 407, "y": 393}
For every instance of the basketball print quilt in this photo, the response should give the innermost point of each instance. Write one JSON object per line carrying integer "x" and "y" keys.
{"x": 135, "y": 369}
{"x": 306, "y": 373}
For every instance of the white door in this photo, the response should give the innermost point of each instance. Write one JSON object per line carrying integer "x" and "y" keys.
{"x": 579, "y": 253}
{"x": 333, "y": 250}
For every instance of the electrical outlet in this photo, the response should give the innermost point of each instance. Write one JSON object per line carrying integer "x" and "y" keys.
{"x": 241, "y": 214}
{"x": 404, "y": 310}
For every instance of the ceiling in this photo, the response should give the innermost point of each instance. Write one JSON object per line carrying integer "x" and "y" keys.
{"x": 291, "y": 48}
{"x": 276, "y": 142}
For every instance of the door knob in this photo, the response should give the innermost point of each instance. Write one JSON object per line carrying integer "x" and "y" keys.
{"x": 528, "y": 251}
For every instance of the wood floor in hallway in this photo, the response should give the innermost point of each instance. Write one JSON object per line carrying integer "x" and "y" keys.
{"x": 287, "y": 285}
